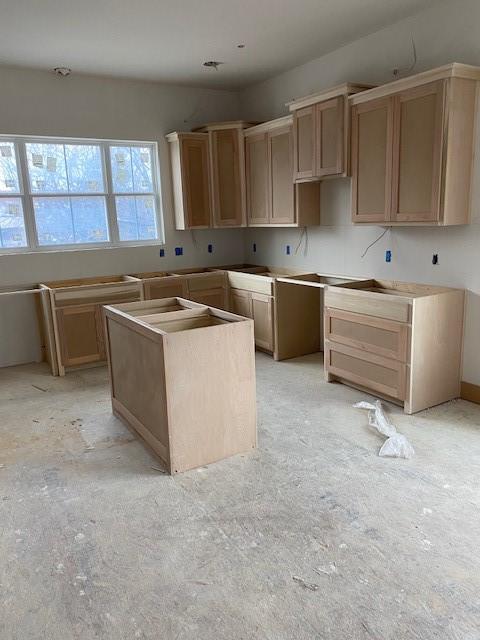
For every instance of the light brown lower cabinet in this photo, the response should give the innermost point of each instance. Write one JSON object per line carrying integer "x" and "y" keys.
{"x": 260, "y": 308}
{"x": 400, "y": 341}
{"x": 205, "y": 286}
{"x": 159, "y": 285}
{"x": 72, "y": 317}
{"x": 172, "y": 383}
{"x": 210, "y": 297}
{"x": 262, "y": 313}
{"x": 80, "y": 334}
{"x": 241, "y": 302}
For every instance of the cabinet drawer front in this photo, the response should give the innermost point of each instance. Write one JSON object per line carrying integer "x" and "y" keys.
{"x": 211, "y": 297}
{"x": 250, "y": 282}
{"x": 164, "y": 288}
{"x": 108, "y": 294}
{"x": 382, "y": 375}
{"x": 368, "y": 303}
{"x": 386, "y": 338}
{"x": 205, "y": 281}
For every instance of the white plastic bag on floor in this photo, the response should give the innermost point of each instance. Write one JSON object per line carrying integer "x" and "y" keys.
{"x": 396, "y": 445}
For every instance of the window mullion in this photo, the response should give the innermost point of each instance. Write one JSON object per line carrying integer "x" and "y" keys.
{"x": 27, "y": 200}
{"x": 111, "y": 208}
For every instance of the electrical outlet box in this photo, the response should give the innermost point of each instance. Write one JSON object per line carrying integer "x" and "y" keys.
{"x": 210, "y": 248}
{"x": 435, "y": 258}
{"x": 254, "y": 247}
{"x": 162, "y": 253}
{"x": 388, "y": 255}
{"x": 287, "y": 249}
{"x": 179, "y": 251}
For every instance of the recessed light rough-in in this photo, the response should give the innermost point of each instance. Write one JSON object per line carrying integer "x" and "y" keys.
{"x": 213, "y": 64}
{"x": 62, "y": 71}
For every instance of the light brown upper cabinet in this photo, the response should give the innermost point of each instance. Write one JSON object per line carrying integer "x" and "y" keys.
{"x": 208, "y": 171}
{"x": 228, "y": 174}
{"x": 372, "y": 135}
{"x": 272, "y": 197}
{"x": 412, "y": 149}
{"x": 189, "y": 153}
{"x": 320, "y": 133}
{"x": 257, "y": 178}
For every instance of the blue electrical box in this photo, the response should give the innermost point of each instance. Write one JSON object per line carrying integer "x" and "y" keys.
{"x": 388, "y": 256}
{"x": 179, "y": 251}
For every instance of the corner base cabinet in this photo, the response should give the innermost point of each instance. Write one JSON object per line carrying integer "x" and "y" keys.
{"x": 172, "y": 384}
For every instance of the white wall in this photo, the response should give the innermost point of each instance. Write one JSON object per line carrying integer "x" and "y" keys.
{"x": 448, "y": 33}
{"x": 40, "y": 103}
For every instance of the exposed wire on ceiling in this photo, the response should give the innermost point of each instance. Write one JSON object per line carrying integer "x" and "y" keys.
{"x": 397, "y": 73}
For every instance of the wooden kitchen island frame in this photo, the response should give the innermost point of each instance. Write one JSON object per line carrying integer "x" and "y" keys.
{"x": 182, "y": 376}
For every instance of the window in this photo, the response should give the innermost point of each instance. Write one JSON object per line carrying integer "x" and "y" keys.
{"x": 65, "y": 193}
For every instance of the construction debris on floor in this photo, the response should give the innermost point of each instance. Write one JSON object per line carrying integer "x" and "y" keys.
{"x": 308, "y": 536}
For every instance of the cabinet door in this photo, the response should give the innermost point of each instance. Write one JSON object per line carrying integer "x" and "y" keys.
{"x": 262, "y": 311}
{"x": 196, "y": 181}
{"x": 164, "y": 288}
{"x": 280, "y": 166}
{"x": 417, "y": 149}
{"x": 304, "y": 143}
{"x": 210, "y": 297}
{"x": 329, "y": 118}
{"x": 80, "y": 334}
{"x": 257, "y": 178}
{"x": 372, "y": 138}
{"x": 228, "y": 175}
{"x": 241, "y": 302}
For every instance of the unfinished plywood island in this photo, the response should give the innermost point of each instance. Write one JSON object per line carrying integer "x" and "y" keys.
{"x": 183, "y": 377}
{"x": 398, "y": 340}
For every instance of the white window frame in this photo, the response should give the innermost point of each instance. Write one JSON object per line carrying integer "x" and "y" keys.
{"x": 27, "y": 196}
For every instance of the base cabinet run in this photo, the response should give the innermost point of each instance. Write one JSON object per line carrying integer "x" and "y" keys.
{"x": 171, "y": 381}
{"x": 400, "y": 341}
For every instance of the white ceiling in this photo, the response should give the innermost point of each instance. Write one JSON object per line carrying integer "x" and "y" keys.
{"x": 168, "y": 40}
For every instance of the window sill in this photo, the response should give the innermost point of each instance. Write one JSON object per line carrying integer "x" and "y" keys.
{"x": 80, "y": 248}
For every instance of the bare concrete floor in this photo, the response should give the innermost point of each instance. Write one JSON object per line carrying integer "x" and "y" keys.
{"x": 97, "y": 543}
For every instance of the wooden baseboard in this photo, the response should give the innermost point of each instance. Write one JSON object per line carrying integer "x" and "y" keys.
{"x": 470, "y": 392}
